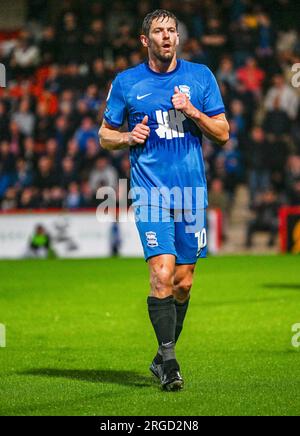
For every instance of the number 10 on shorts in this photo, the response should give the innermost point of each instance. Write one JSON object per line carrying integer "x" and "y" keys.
{"x": 202, "y": 240}
{"x": 2, "y": 336}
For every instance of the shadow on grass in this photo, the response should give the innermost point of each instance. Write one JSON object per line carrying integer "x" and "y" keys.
{"x": 119, "y": 377}
{"x": 283, "y": 286}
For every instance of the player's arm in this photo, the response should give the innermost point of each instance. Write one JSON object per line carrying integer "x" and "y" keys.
{"x": 215, "y": 128}
{"x": 115, "y": 114}
{"x": 112, "y": 139}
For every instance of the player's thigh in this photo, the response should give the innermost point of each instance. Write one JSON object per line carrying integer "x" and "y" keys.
{"x": 190, "y": 237}
{"x": 157, "y": 231}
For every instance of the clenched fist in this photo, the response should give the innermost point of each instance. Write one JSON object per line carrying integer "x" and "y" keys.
{"x": 181, "y": 102}
{"x": 140, "y": 133}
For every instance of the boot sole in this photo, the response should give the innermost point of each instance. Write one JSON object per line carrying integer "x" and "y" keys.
{"x": 175, "y": 385}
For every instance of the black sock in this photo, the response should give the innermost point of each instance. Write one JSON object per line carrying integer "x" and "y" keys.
{"x": 162, "y": 314}
{"x": 181, "y": 309}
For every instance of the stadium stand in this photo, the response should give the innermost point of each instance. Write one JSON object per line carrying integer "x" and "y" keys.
{"x": 59, "y": 69}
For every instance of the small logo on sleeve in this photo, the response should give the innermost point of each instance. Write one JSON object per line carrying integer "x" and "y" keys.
{"x": 151, "y": 239}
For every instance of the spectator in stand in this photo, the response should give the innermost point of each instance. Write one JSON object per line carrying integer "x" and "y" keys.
{"x": 53, "y": 153}
{"x": 103, "y": 174}
{"x": 282, "y": 97}
{"x": 82, "y": 111}
{"x": 91, "y": 155}
{"x": 62, "y": 132}
{"x": 73, "y": 198}
{"x": 124, "y": 43}
{"x": 94, "y": 41}
{"x": 277, "y": 123}
{"x": 7, "y": 159}
{"x": 226, "y": 72}
{"x": 45, "y": 199}
{"x": 70, "y": 40}
{"x": 86, "y": 131}
{"x": 48, "y": 46}
{"x": 256, "y": 155}
{"x": 72, "y": 79}
{"x": 266, "y": 36}
{"x": 16, "y": 138}
{"x": 23, "y": 175}
{"x": 266, "y": 217}
{"x": 10, "y": 200}
{"x": 252, "y": 77}
{"x": 44, "y": 125}
{"x": 92, "y": 99}
{"x": 236, "y": 108}
{"x": 45, "y": 175}
{"x": 59, "y": 79}
{"x": 214, "y": 41}
{"x": 25, "y": 57}
{"x": 56, "y": 196}
{"x": 193, "y": 51}
{"x": 88, "y": 196}
{"x": 243, "y": 39}
{"x": 53, "y": 82}
{"x": 28, "y": 153}
{"x": 68, "y": 174}
{"x": 120, "y": 13}
{"x": 189, "y": 13}
{"x": 28, "y": 199}
{"x": 24, "y": 118}
{"x": 231, "y": 166}
{"x": 74, "y": 154}
{"x": 98, "y": 73}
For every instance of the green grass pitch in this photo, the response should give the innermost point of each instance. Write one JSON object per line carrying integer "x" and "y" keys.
{"x": 79, "y": 340}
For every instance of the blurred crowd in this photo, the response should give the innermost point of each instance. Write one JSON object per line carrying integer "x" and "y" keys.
{"x": 59, "y": 69}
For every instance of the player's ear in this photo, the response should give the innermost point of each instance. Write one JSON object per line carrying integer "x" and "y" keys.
{"x": 144, "y": 40}
{"x": 177, "y": 39}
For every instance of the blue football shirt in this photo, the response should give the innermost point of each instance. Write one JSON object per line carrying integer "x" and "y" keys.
{"x": 172, "y": 155}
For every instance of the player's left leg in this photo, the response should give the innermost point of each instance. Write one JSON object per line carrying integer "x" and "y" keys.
{"x": 191, "y": 245}
{"x": 183, "y": 282}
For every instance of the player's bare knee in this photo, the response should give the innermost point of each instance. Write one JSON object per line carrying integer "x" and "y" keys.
{"x": 161, "y": 281}
{"x": 182, "y": 290}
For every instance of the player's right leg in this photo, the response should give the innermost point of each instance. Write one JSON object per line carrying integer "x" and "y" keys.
{"x": 157, "y": 236}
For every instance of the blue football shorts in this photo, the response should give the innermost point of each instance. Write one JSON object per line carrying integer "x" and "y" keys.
{"x": 169, "y": 231}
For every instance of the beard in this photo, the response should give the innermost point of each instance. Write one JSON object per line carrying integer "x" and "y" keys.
{"x": 164, "y": 57}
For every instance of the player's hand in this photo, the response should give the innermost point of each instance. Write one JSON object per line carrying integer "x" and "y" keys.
{"x": 140, "y": 133}
{"x": 181, "y": 102}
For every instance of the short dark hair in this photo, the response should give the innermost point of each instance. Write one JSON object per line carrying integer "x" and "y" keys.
{"x": 159, "y": 13}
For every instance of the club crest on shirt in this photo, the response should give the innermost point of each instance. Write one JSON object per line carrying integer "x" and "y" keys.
{"x": 184, "y": 89}
{"x": 151, "y": 239}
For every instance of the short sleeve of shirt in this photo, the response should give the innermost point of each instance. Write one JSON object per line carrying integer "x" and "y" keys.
{"x": 115, "y": 111}
{"x": 213, "y": 102}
